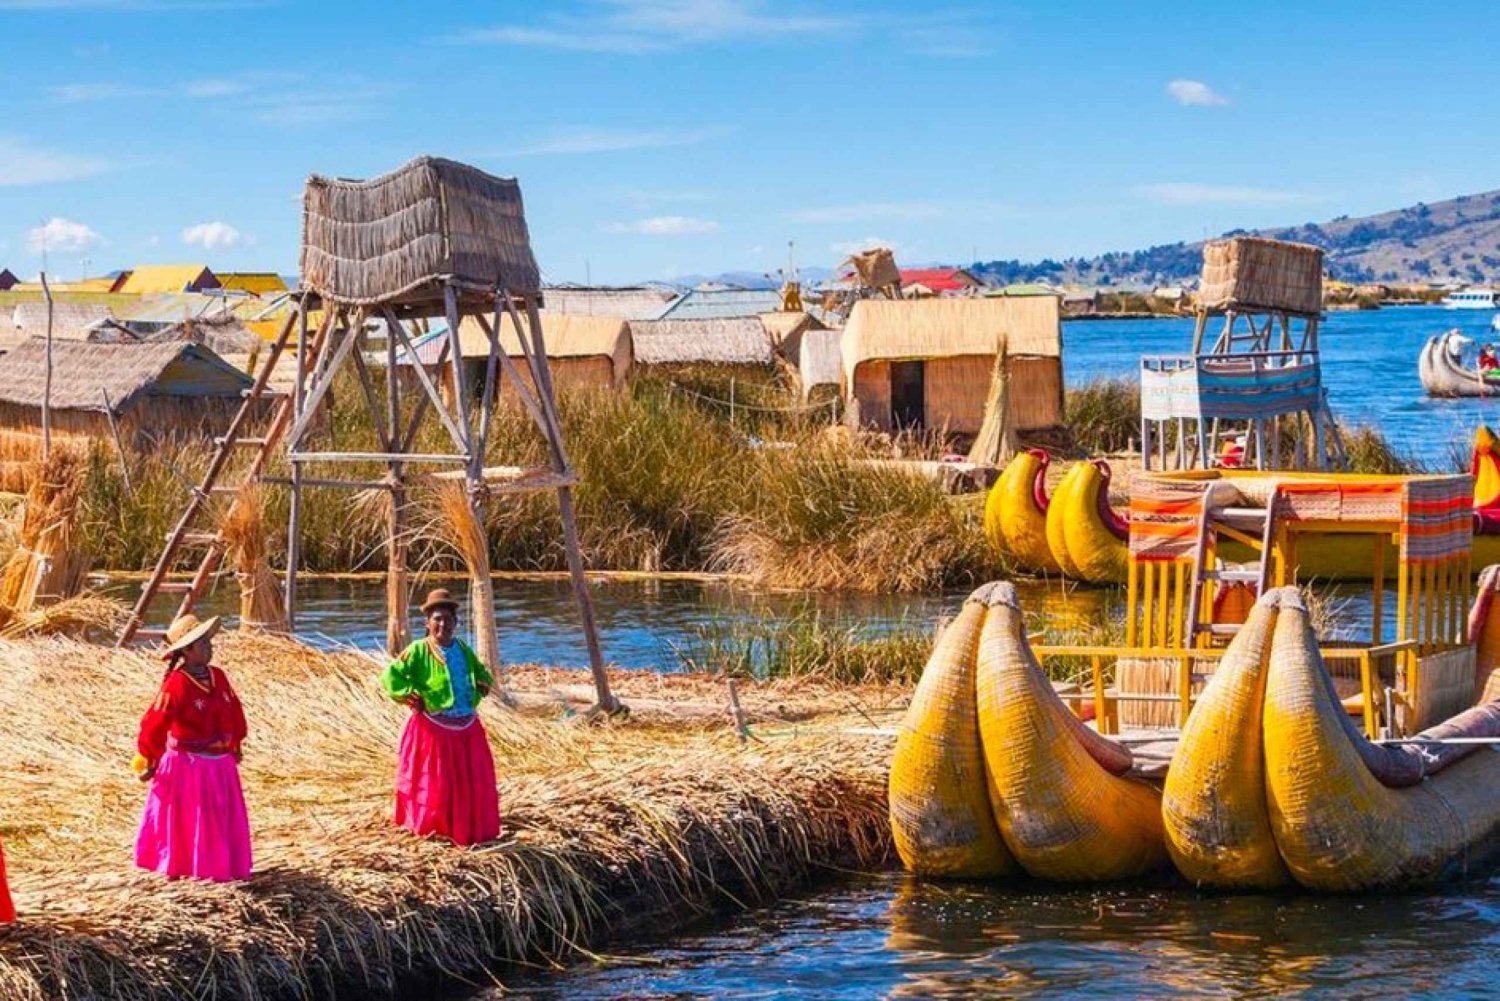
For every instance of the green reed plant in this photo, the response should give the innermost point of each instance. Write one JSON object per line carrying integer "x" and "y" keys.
{"x": 1104, "y": 415}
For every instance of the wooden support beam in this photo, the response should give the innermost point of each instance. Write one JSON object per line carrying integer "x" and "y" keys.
{"x": 300, "y": 456}
{"x": 459, "y": 438}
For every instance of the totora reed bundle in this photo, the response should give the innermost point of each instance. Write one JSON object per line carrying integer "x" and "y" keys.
{"x": 47, "y": 565}
{"x": 244, "y": 530}
{"x": 454, "y": 522}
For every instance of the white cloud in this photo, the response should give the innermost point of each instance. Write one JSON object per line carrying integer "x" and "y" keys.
{"x": 1195, "y": 93}
{"x": 212, "y": 236}
{"x": 22, "y": 163}
{"x": 62, "y": 236}
{"x": 1189, "y": 193}
{"x": 846, "y": 247}
{"x": 634, "y": 27}
{"x": 666, "y": 225}
{"x": 587, "y": 140}
{"x": 869, "y": 211}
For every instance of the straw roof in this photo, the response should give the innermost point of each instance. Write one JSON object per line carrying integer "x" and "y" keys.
{"x": 626, "y": 303}
{"x": 223, "y": 335}
{"x": 728, "y": 341}
{"x": 784, "y": 326}
{"x": 566, "y": 337}
{"x": 950, "y": 328}
{"x": 156, "y": 278}
{"x": 396, "y": 237}
{"x": 83, "y": 373}
{"x": 69, "y": 319}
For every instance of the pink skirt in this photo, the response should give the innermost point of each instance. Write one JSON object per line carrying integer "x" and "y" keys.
{"x": 445, "y": 781}
{"x": 195, "y": 822}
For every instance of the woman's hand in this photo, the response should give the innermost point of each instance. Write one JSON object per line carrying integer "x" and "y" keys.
{"x": 148, "y": 774}
{"x": 414, "y": 703}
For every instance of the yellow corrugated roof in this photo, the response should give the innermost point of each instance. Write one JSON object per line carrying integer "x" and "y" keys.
{"x": 254, "y": 282}
{"x": 154, "y": 278}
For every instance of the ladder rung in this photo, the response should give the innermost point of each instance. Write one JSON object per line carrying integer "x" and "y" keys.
{"x": 1235, "y": 576}
{"x": 1245, "y": 513}
{"x": 1224, "y": 628}
{"x": 266, "y": 394}
{"x": 257, "y": 442}
{"x": 199, "y": 539}
{"x": 150, "y": 634}
{"x": 174, "y": 587}
{"x": 223, "y": 489}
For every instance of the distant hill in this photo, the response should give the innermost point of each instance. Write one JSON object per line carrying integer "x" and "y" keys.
{"x": 1454, "y": 240}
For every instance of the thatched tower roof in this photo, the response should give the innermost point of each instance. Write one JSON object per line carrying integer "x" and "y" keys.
{"x": 83, "y": 373}
{"x": 394, "y": 239}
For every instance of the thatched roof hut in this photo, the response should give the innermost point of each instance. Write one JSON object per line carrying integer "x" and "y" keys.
{"x": 150, "y": 390}
{"x": 72, "y": 321}
{"x": 223, "y": 334}
{"x": 818, "y": 359}
{"x": 930, "y": 363}
{"x": 395, "y": 239}
{"x": 583, "y": 352}
{"x": 728, "y": 341}
{"x": 261, "y": 283}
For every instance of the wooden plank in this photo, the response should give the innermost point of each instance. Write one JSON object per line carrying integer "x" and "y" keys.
{"x": 431, "y": 390}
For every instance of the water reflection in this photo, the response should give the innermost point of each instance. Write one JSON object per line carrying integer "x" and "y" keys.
{"x": 894, "y": 936}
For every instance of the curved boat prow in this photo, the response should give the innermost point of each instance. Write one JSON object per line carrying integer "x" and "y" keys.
{"x": 1484, "y": 635}
{"x": 1443, "y": 374}
{"x": 940, "y": 813}
{"x": 1057, "y": 788}
{"x": 1089, "y": 539}
{"x": 1015, "y": 512}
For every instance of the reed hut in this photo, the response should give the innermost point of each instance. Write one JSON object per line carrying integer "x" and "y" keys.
{"x": 71, "y": 321}
{"x": 143, "y": 392}
{"x": 934, "y": 363}
{"x": 722, "y": 304}
{"x": 818, "y": 360}
{"x": 258, "y": 283}
{"x": 733, "y": 341}
{"x": 584, "y": 352}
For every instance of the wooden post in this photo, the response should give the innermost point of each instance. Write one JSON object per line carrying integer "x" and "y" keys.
{"x": 47, "y": 377}
{"x": 294, "y": 506}
{"x": 397, "y": 583}
{"x": 606, "y": 701}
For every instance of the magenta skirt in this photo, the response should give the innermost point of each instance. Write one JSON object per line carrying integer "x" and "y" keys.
{"x": 445, "y": 781}
{"x": 195, "y": 822}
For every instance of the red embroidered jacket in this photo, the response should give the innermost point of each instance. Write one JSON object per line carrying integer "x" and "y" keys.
{"x": 200, "y": 718}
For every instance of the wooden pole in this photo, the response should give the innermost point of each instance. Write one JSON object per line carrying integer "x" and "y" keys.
{"x": 294, "y": 506}
{"x": 47, "y": 377}
{"x": 607, "y": 702}
{"x": 397, "y": 582}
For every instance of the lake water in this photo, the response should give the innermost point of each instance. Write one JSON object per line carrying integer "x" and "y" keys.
{"x": 891, "y": 936}
{"x": 1369, "y": 366}
{"x": 887, "y": 935}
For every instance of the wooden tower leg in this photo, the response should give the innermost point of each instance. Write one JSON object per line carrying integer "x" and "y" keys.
{"x": 397, "y": 581}
{"x": 542, "y": 375}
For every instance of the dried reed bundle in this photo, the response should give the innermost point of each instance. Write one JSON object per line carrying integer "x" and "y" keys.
{"x": 244, "y": 529}
{"x": 453, "y": 522}
{"x": 47, "y": 566}
{"x": 609, "y": 829}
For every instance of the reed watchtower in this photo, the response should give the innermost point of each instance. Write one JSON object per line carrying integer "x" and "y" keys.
{"x": 434, "y": 241}
{"x": 1254, "y": 365}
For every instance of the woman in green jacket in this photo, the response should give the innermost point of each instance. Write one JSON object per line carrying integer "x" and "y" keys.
{"x": 445, "y": 774}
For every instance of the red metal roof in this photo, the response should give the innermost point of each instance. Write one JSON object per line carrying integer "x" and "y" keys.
{"x": 938, "y": 279}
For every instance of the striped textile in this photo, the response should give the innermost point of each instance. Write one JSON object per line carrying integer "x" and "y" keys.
{"x": 1437, "y": 519}
{"x": 1164, "y": 516}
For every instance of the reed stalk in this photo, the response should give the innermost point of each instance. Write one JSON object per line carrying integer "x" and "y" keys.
{"x": 244, "y": 530}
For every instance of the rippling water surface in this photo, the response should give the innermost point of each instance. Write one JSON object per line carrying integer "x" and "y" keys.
{"x": 891, "y": 936}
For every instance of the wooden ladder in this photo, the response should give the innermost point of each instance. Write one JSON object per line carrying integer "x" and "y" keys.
{"x": 186, "y": 534}
{"x": 1254, "y": 526}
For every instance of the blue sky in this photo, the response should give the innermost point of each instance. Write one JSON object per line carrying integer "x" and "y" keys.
{"x": 660, "y": 137}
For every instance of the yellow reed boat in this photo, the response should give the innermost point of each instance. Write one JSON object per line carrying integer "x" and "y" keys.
{"x": 1075, "y": 531}
{"x": 993, "y": 774}
{"x": 1272, "y": 784}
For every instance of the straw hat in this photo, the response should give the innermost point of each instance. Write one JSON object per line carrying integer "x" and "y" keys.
{"x": 186, "y": 630}
{"x": 439, "y": 598}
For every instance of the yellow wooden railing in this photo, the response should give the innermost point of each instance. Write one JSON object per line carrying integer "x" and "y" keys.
{"x": 1106, "y": 700}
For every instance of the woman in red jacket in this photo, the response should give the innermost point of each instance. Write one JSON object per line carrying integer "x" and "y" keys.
{"x": 195, "y": 822}
{"x": 7, "y": 909}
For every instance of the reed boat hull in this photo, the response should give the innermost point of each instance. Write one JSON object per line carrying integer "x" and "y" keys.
{"x": 940, "y": 812}
{"x": 1441, "y": 375}
{"x": 1059, "y": 791}
{"x": 1319, "y": 806}
{"x": 1089, "y": 541}
{"x": 1015, "y": 513}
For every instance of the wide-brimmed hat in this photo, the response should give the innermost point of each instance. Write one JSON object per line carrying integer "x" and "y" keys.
{"x": 439, "y": 598}
{"x": 186, "y": 630}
